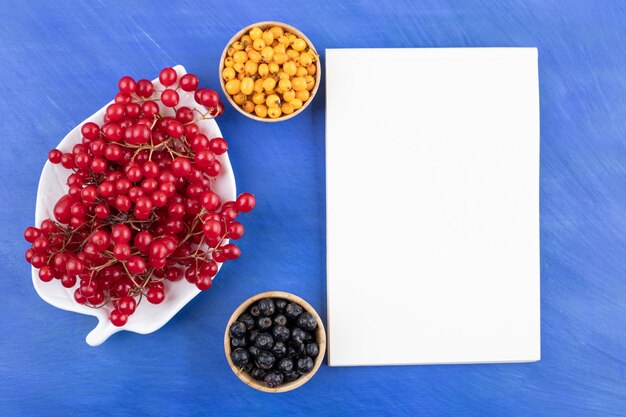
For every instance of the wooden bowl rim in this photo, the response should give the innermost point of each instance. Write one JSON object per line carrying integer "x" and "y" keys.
{"x": 262, "y": 25}
{"x": 320, "y": 336}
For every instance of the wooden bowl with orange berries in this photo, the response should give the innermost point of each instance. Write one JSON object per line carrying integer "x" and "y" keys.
{"x": 270, "y": 71}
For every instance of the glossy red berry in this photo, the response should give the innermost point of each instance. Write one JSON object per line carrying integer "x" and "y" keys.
{"x": 168, "y": 76}
{"x": 188, "y": 82}
{"x": 127, "y": 85}
{"x": 117, "y": 318}
{"x": 145, "y": 88}
{"x": 245, "y": 202}
{"x": 126, "y": 305}
{"x": 155, "y": 295}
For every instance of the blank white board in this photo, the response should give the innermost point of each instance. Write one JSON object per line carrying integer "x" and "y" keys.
{"x": 432, "y": 191}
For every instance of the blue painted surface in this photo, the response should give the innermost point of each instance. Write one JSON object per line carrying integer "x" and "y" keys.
{"x": 60, "y": 61}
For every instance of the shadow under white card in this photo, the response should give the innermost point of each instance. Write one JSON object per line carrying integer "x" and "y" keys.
{"x": 432, "y": 170}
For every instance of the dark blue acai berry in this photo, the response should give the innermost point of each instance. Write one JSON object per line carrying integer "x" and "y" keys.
{"x": 254, "y": 351}
{"x": 258, "y": 373}
{"x": 279, "y": 350}
{"x": 285, "y": 365}
{"x": 280, "y": 320}
{"x": 238, "y": 342}
{"x": 254, "y": 311}
{"x": 253, "y": 335}
{"x": 265, "y": 360}
{"x": 312, "y": 350}
{"x": 304, "y": 364}
{"x": 298, "y": 335}
{"x": 264, "y": 341}
{"x": 248, "y": 320}
{"x": 293, "y": 310}
{"x": 273, "y": 379}
{"x": 280, "y": 333}
{"x": 294, "y": 348}
{"x": 307, "y": 322}
{"x": 240, "y": 357}
{"x": 292, "y": 376}
{"x": 280, "y": 304}
{"x": 264, "y": 323}
{"x": 266, "y": 305}
{"x": 238, "y": 329}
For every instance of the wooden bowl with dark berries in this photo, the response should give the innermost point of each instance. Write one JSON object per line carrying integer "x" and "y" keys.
{"x": 275, "y": 342}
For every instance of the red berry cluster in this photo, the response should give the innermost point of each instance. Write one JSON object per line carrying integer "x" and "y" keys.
{"x": 139, "y": 209}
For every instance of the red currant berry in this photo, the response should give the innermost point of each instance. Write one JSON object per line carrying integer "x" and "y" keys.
{"x": 212, "y": 229}
{"x": 122, "y": 98}
{"x": 79, "y": 297}
{"x": 45, "y": 274}
{"x": 168, "y": 76}
{"x": 188, "y": 82}
{"x": 67, "y": 280}
{"x": 31, "y": 233}
{"x": 99, "y": 165}
{"x": 62, "y": 209}
{"x": 74, "y": 266}
{"x": 55, "y": 156}
{"x": 133, "y": 110}
{"x": 137, "y": 134}
{"x": 159, "y": 199}
{"x": 145, "y": 88}
{"x": 219, "y": 257}
{"x": 149, "y": 185}
{"x": 210, "y": 200}
{"x": 126, "y": 305}
{"x": 169, "y": 98}
{"x": 204, "y": 158}
{"x": 204, "y": 282}
{"x": 235, "y": 230}
{"x": 191, "y": 130}
{"x": 134, "y": 173}
{"x": 115, "y": 112}
{"x": 106, "y": 189}
{"x": 121, "y": 251}
{"x": 199, "y": 142}
{"x": 136, "y": 265}
{"x": 181, "y": 166}
{"x": 206, "y": 97}
{"x": 245, "y": 202}
{"x": 113, "y": 152}
{"x": 175, "y": 129}
{"x": 100, "y": 239}
{"x": 143, "y": 240}
{"x": 123, "y": 203}
{"x": 120, "y": 233}
{"x": 155, "y": 295}
{"x": 218, "y": 146}
{"x": 101, "y": 211}
{"x": 127, "y": 85}
{"x": 150, "y": 108}
{"x": 214, "y": 169}
{"x": 184, "y": 115}
{"x": 96, "y": 299}
{"x": 117, "y": 318}
{"x": 210, "y": 268}
{"x": 90, "y": 130}
{"x": 112, "y": 131}
{"x": 174, "y": 274}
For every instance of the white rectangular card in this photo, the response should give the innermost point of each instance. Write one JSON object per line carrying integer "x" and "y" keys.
{"x": 432, "y": 190}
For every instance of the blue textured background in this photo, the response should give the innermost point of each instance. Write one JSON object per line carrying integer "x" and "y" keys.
{"x": 60, "y": 61}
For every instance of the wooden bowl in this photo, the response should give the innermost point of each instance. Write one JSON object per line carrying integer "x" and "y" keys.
{"x": 263, "y": 26}
{"x": 320, "y": 335}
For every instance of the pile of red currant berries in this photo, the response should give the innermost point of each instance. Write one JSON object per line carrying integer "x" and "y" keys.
{"x": 139, "y": 209}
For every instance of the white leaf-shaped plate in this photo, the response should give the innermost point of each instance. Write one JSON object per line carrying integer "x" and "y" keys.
{"x": 148, "y": 317}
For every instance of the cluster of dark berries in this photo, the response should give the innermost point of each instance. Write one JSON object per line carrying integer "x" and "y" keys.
{"x": 274, "y": 341}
